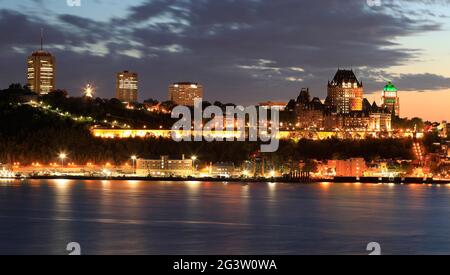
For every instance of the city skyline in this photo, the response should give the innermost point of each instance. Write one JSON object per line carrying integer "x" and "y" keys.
{"x": 236, "y": 70}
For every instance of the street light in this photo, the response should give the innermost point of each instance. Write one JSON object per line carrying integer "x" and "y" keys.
{"x": 246, "y": 173}
{"x": 133, "y": 159}
{"x": 62, "y": 157}
{"x": 193, "y": 158}
{"x": 272, "y": 173}
{"x": 89, "y": 91}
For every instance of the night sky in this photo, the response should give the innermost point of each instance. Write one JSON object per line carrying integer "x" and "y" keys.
{"x": 242, "y": 51}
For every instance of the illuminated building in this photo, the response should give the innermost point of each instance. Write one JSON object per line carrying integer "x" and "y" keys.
{"x": 372, "y": 118}
{"x": 345, "y": 92}
{"x": 127, "y": 86}
{"x": 356, "y": 120}
{"x": 444, "y": 129}
{"x": 276, "y": 105}
{"x": 6, "y": 172}
{"x": 167, "y": 134}
{"x": 184, "y": 93}
{"x": 360, "y": 121}
{"x": 313, "y": 114}
{"x": 335, "y": 131}
{"x": 447, "y": 130}
{"x": 41, "y": 71}
{"x": 164, "y": 167}
{"x": 226, "y": 170}
{"x": 390, "y": 99}
{"x": 380, "y": 122}
{"x": 448, "y": 152}
{"x": 332, "y": 122}
{"x": 310, "y": 113}
{"x": 351, "y": 167}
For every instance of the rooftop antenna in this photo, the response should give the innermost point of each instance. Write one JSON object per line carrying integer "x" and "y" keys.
{"x": 42, "y": 39}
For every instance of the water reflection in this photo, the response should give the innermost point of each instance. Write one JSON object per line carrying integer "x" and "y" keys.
{"x": 325, "y": 185}
{"x": 135, "y": 217}
{"x": 62, "y": 184}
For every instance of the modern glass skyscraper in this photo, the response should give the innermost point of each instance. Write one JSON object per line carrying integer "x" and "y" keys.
{"x": 127, "y": 86}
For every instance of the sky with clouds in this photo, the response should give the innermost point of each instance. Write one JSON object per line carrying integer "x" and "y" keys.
{"x": 242, "y": 51}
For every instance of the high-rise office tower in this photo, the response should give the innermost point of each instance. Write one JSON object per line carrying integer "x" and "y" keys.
{"x": 184, "y": 93}
{"x": 127, "y": 86}
{"x": 390, "y": 99}
{"x": 345, "y": 92}
{"x": 41, "y": 71}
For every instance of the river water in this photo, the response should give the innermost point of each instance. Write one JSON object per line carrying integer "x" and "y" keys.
{"x": 135, "y": 217}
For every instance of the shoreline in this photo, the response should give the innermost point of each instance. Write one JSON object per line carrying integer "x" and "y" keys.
{"x": 366, "y": 180}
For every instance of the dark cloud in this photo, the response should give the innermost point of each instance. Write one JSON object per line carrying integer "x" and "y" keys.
{"x": 20, "y": 30}
{"x": 422, "y": 82}
{"x": 242, "y": 51}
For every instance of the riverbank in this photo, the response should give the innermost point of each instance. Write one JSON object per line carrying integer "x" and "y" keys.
{"x": 369, "y": 180}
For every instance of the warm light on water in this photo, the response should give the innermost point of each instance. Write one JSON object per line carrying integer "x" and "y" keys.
{"x": 62, "y": 184}
{"x": 133, "y": 183}
{"x": 137, "y": 217}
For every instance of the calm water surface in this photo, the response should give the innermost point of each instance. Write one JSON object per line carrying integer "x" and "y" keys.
{"x": 132, "y": 217}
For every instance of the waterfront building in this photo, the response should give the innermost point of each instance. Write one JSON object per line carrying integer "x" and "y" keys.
{"x": 223, "y": 169}
{"x": 127, "y": 86}
{"x": 6, "y": 172}
{"x": 390, "y": 99}
{"x": 382, "y": 168}
{"x": 354, "y": 167}
{"x": 327, "y": 168}
{"x": 41, "y": 71}
{"x": 345, "y": 92}
{"x": 184, "y": 93}
{"x": 165, "y": 167}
